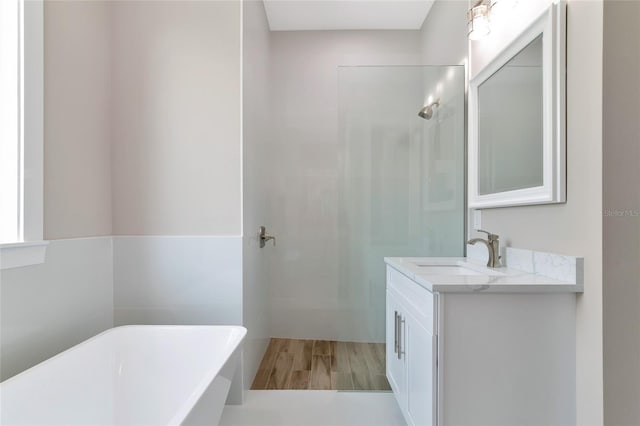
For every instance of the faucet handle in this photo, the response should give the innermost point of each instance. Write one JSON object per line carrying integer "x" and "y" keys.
{"x": 490, "y": 236}
{"x": 263, "y": 237}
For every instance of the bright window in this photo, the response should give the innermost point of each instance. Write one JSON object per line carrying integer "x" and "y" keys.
{"x": 21, "y": 133}
{"x": 11, "y": 115}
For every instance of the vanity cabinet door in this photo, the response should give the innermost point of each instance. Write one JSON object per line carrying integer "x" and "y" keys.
{"x": 396, "y": 373}
{"x": 421, "y": 373}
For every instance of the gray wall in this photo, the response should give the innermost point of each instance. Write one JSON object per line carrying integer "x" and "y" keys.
{"x": 176, "y": 118}
{"x": 443, "y": 35}
{"x": 621, "y": 129}
{"x": 114, "y": 74}
{"x": 77, "y": 145}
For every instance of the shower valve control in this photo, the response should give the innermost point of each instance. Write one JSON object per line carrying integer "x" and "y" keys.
{"x": 263, "y": 237}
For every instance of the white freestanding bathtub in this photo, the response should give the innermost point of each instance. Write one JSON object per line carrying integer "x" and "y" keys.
{"x": 132, "y": 375}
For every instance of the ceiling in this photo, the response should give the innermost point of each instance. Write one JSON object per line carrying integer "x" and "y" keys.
{"x": 295, "y": 15}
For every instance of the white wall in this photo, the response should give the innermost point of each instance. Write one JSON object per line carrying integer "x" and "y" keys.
{"x": 50, "y": 307}
{"x": 177, "y": 280}
{"x": 176, "y": 117}
{"x": 77, "y": 94}
{"x": 305, "y": 284}
{"x": 256, "y": 168}
{"x": 574, "y": 228}
{"x": 621, "y": 292}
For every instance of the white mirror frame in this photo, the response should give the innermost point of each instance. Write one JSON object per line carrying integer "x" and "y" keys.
{"x": 552, "y": 25}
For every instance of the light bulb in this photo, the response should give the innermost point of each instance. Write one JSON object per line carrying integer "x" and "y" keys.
{"x": 479, "y": 21}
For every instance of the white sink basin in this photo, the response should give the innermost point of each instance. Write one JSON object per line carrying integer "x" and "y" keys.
{"x": 454, "y": 269}
{"x": 446, "y": 270}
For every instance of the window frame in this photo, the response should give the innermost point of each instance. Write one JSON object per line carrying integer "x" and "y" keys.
{"x": 30, "y": 247}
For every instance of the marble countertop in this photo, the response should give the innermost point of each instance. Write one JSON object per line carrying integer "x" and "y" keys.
{"x": 546, "y": 273}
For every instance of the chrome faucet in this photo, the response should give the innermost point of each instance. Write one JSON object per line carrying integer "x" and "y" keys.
{"x": 493, "y": 245}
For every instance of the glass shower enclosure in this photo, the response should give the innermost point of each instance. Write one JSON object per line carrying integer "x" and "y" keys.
{"x": 370, "y": 167}
{"x": 401, "y": 180}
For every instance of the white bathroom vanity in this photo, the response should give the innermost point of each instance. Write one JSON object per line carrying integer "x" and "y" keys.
{"x": 471, "y": 345}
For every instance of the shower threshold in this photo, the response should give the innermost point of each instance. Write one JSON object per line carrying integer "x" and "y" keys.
{"x": 322, "y": 364}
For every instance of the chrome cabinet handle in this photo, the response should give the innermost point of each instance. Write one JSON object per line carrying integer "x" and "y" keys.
{"x": 263, "y": 237}
{"x": 398, "y": 333}
{"x": 395, "y": 332}
{"x": 400, "y": 350}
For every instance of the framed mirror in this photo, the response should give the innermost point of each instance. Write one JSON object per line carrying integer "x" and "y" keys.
{"x": 517, "y": 112}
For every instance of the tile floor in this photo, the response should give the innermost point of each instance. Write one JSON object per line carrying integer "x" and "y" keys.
{"x": 314, "y": 408}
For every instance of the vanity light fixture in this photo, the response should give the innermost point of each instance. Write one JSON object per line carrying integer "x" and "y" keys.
{"x": 478, "y": 19}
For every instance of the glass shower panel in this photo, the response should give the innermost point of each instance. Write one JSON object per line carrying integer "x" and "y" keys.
{"x": 400, "y": 180}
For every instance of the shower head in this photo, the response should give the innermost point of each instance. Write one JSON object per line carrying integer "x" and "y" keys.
{"x": 427, "y": 111}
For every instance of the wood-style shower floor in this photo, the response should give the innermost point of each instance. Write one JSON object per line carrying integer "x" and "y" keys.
{"x": 322, "y": 364}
